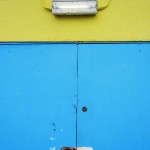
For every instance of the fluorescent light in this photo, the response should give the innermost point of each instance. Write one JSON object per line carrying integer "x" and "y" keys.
{"x": 75, "y": 7}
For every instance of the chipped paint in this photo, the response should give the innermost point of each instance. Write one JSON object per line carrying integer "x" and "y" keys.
{"x": 52, "y": 148}
{"x": 78, "y": 148}
{"x": 68, "y": 148}
{"x": 51, "y": 138}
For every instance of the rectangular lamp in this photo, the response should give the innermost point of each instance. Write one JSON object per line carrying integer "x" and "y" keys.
{"x": 74, "y": 7}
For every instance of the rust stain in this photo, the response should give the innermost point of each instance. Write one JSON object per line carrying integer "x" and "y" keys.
{"x": 68, "y": 148}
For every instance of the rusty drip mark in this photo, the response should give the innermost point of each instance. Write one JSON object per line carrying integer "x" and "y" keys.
{"x": 68, "y": 148}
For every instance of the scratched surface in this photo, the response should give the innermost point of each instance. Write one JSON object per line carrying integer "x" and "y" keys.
{"x": 37, "y": 96}
{"x": 114, "y": 85}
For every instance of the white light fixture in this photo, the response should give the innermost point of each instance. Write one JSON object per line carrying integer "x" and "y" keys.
{"x": 74, "y": 7}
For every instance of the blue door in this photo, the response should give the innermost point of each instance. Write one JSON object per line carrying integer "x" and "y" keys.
{"x": 41, "y": 86}
{"x": 38, "y": 95}
{"x": 114, "y": 96}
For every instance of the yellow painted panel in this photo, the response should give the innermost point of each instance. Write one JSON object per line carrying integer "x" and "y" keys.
{"x": 27, "y": 20}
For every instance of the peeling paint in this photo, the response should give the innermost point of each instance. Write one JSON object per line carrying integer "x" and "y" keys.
{"x": 52, "y": 148}
{"x": 68, "y": 148}
{"x": 51, "y": 138}
{"x": 78, "y": 148}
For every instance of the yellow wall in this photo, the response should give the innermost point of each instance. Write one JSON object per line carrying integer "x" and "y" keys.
{"x": 27, "y": 20}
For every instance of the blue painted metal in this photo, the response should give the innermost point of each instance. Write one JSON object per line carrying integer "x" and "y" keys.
{"x": 38, "y": 88}
{"x": 114, "y": 84}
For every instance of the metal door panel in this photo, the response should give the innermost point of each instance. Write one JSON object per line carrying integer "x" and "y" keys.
{"x": 114, "y": 85}
{"x": 38, "y": 89}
